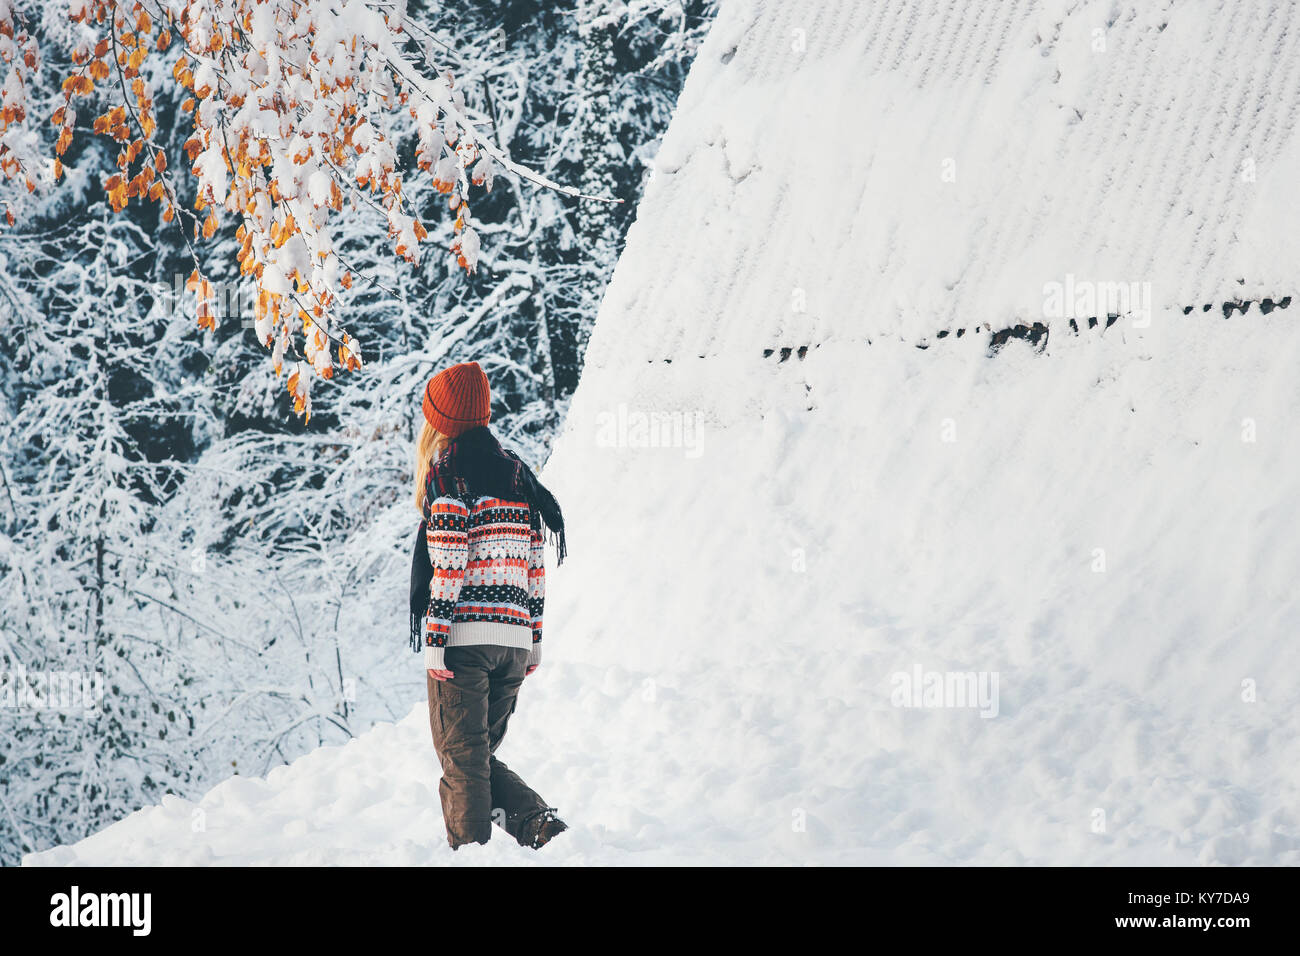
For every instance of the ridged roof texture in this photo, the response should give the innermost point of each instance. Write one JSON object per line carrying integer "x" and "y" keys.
{"x": 953, "y": 159}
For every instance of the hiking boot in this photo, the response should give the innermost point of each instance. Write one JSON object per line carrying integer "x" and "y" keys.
{"x": 550, "y": 827}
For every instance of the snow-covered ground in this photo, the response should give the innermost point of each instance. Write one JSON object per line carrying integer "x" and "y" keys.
{"x": 1102, "y": 532}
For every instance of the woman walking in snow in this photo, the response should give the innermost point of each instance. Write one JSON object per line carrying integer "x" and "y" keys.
{"x": 477, "y": 589}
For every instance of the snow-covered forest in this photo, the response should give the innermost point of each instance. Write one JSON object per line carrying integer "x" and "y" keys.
{"x": 225, "y": 564}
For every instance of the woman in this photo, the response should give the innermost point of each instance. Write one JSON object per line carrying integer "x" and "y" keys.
{"x": 477, "y": 589}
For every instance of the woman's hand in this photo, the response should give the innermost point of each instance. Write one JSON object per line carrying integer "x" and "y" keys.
{"x": 440, "y": 675}
{"x": 531, "y": 669}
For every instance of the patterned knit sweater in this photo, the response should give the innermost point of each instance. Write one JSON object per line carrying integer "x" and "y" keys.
{"x": 489, "y": 582}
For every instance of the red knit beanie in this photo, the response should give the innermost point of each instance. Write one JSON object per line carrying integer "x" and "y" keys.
{"x": 458, "y": 399}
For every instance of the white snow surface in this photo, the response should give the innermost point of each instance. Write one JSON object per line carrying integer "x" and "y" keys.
{"x": 1107, "y": 525}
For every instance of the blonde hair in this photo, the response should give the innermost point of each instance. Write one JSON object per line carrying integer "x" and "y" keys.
{"x": 428, "y": 447}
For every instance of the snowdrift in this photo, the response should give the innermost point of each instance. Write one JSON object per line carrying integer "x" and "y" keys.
{"x": 790, "y": 572}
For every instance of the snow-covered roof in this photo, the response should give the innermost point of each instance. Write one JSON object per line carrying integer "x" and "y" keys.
{"x": 938, "y": 162}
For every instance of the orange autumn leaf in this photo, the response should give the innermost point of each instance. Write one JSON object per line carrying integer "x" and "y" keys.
{"x": 200, "y": 286}
{"x": 283, "y": 232}
{"x": 207, "y": 319}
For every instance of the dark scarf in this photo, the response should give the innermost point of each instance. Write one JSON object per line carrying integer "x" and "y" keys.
{"x": 475, "y": 464}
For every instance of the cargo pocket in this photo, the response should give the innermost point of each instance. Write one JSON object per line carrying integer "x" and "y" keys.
{"x": 447, "y": 698}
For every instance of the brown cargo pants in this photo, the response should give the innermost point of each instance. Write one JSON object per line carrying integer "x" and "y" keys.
{"x": 468, "y": 715}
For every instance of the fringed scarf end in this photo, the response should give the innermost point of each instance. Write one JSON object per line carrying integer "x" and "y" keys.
{"x": 415, "y": 632}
